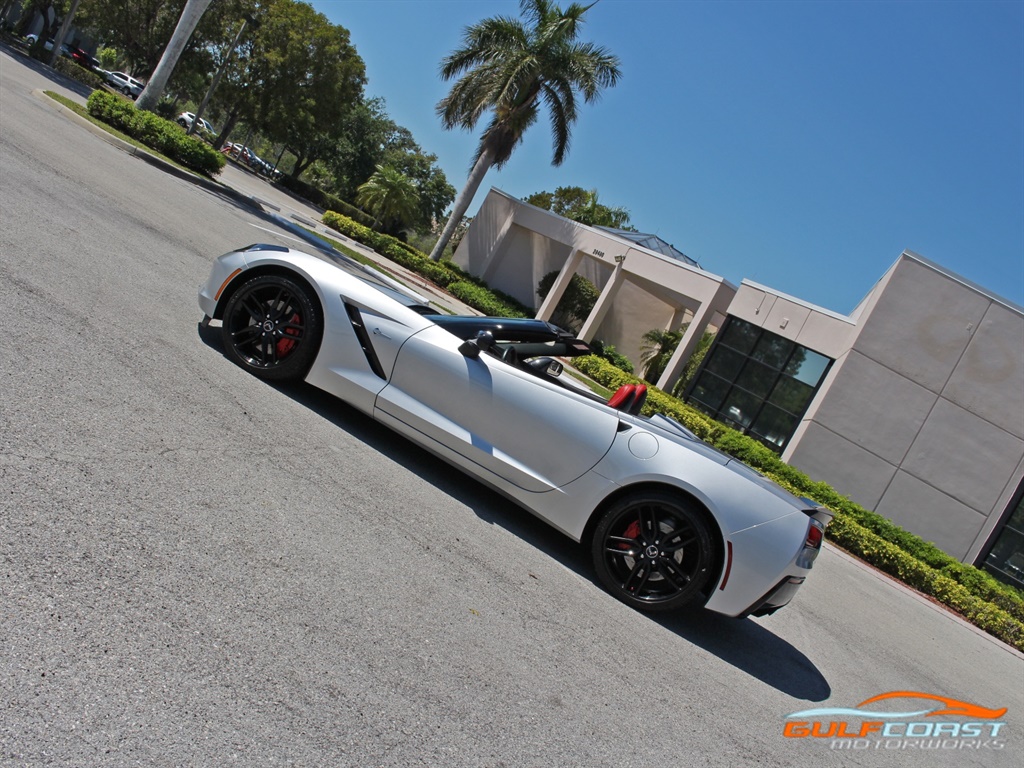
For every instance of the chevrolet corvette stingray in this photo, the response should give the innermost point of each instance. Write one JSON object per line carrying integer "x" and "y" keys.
{"x": 667, "y": 520}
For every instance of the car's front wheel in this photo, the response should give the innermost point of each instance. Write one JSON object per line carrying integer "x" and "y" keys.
{"x": 272, "y": 328}
{"x": 653, "y": 551}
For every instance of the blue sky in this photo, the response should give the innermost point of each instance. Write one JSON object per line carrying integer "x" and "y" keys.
{"x": 801, "y": 145}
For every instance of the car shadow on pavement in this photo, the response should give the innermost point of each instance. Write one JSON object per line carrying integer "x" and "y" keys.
{"x": 743, "y": 643}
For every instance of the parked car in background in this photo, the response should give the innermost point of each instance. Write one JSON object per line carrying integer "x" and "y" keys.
{"x": 65, "y": 51}
{"x": 80, "y": 57}
{"x": 185, "y": 120}
{"x": 125, "y": 83}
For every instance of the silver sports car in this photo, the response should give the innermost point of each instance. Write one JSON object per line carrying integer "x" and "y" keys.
{"x": 668, "y": 521}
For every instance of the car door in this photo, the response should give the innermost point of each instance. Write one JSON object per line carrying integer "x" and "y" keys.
{"x": 533, "y": 434}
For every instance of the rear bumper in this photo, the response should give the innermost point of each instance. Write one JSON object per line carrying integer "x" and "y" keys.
{"x": 766, "y": 565}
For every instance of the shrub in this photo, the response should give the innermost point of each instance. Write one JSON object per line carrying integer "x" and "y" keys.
{"x": 167, "y": 110}
{"x": 609, "y": 353}
{"x": 76, "y": 72}
{"x": 442, "y": 273}
{"x": 576, "y": 303}
{"x": 162, "y": 135}
{"x": 483, "y": 300}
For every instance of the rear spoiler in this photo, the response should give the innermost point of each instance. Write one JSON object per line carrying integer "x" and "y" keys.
{"x": 822, "y": 514}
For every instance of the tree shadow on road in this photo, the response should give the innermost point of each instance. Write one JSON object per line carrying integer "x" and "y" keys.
{"x": 47, "y": 71}
{"x": 743, "y": 643}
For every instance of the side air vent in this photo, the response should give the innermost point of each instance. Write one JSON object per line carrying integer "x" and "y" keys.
{"x": 356, "y": 318}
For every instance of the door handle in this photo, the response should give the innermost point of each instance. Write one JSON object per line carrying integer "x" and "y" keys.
{"x": 379, "y": 332}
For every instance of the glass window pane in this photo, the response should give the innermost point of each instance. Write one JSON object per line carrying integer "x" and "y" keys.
{"x": 1006, "y": 561}
{"x": 774, "y": 426}
{"x": 740, "y": 335}
{"x": 773, "y": 350}
{"x": 709, "y": 390}
{"x": 791, "y": 395}
{"x": 739, "y": 408}
{"x": 757, "y": 378}
{"x": 807, "y": 366}
{"x": 725, "y": 363}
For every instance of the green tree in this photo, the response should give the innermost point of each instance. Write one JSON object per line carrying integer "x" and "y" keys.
{"x": 141, "y": 29}
{"x": 391, "y": 197}
{"x": 370, "y": 138}
{"x": 293, "y": 80}
{"x": 656, "y": 350}
{"x": 581, "y": 205}
{"x": 306, "y": 75}
{"x": 360, "y": 147}
{"x": 511, "y": 70}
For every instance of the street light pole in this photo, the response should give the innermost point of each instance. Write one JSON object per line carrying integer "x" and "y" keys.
{"x": 219, "y": 74}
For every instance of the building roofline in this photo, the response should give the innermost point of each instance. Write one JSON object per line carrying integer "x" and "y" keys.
{"x": 908, "y": 254}
{"x": 800, "y": 302}
{"x": 619, "y": 239}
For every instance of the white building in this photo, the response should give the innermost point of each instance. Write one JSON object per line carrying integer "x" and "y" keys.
{"x": 913, "y": 405}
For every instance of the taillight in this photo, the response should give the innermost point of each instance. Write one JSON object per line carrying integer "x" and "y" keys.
{"x": 815, "y": 534}
{"x": 812, "y": 544}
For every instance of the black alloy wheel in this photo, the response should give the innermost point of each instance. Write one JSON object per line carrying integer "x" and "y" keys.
{"x": 653, "y": 551}
{"x": 272, "y": 328}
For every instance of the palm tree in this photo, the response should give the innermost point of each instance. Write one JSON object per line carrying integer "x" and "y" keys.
{"x": 598, "y": 215}
{"x": 657, "y": 350}
{"x": 390, "y": 196}
{"x": 512, "y": 70}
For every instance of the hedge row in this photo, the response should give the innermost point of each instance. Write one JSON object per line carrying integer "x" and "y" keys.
{"x": 164, "y": 136}
{"x": 995, "y": 607}
{"x": 76, "y": 72}
{"x": 442, "y": 273}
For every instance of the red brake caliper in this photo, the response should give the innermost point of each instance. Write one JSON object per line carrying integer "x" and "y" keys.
{"x": 631, "y": 532}
{"x": 284, "y": 346}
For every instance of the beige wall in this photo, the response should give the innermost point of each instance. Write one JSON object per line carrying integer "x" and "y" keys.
{"x": 923, "y": 419}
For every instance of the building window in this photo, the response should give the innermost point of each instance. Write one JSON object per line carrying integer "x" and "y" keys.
{"x": 757, "y": 382}
{"x": 1005, "y": 559}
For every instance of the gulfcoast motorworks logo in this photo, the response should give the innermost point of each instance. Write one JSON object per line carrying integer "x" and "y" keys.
{"x": 946, "y": 724}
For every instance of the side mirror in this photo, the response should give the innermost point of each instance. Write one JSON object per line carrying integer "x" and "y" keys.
{"x": 484, "y": 342}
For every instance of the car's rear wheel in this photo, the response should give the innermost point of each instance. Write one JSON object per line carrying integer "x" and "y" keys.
{"x": 653, "y": 551}
{"x": 272, "y": 328}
